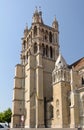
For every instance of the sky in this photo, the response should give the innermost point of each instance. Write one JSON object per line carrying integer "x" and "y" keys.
{"x": 14, "y": 14}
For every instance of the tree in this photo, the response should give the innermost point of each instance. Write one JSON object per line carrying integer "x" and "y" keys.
{"x": 6, "y": 116}
{"x": 1, "y": 117}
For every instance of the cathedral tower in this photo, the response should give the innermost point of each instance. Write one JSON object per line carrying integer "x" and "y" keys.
{"x": 33, "y": 82}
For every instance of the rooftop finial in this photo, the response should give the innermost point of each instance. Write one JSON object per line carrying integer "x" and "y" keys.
{"x": 26, "y": 25}
{"x": 55, "y": 18}
{"x": 39, "y": 8}
{"x": 36, "y": 10}
{"x": 55, "y": 23}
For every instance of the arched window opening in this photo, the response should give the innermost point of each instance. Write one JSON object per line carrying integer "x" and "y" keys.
{"x": 50, "y": 37}
{"x": 43, "y": 49}
{"x": 42, "y": 30}
{"x": 51, "y": 53}
{"x": 47, "y": 50}
{"x": 82, "y": 81}
{"x": 27, "y": 42}
{"x": 27, "y": 55}
{"x": 45, "y": 38}
{"x": 35, "y": 30}
{"x": 46, "y": 32}
{"x": 24, "y": 45}
{"x": 35, "y": 48}
{"x": 51, "y": 111}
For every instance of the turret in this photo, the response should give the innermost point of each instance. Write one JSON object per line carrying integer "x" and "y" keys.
{"x": 55, "y": 24}
{"x": 61, "y": 71}
{"x": 26, "y": 31}
{"x": 61, "y": 89}
{"x": 37, "y": 17}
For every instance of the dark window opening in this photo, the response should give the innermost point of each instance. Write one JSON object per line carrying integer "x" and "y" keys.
{"x": 27, "y": 55}
{"x": 47, "y": 51}
{"x": 24, "y": 45}
{"x": 51, "y": 53}
{"x": 82, "y": 81}
{"x": 45, "y": 38}
{"x": 35, "y": 31}
{"x": 43, "y": 49}
{"x": 35, "y": 48}
{"x": 50, "y": 37}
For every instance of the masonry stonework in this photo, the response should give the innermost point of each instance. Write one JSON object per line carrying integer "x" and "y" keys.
{"x": 47, "y": 91}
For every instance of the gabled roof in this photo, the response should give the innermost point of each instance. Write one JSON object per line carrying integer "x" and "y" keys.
{"x": 78, "y": 64}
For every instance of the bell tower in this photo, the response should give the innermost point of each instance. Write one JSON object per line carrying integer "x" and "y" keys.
{"x": 61, "y": 90}
{"x": 40, "y": 49}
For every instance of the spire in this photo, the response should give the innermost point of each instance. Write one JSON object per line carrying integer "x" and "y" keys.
{"x": 60, "y": 63}
{"x": 55, "y": 23}
{"x": 26, "y": 30}
{"x": 36, "y": 10}
{"x": 37, "y": 16}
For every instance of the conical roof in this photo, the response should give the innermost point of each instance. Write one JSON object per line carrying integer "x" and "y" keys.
{"x": 37, "y": 16}
{"x": 55, "y": 23}
{"x": 60, "y": 62}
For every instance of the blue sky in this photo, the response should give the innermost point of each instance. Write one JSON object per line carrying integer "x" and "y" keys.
{"x": 14, "y": 14}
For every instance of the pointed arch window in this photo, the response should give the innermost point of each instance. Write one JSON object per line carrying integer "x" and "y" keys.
{"x": 35, "y": 48}
{"x": 27, "y": 55}
{"x": 47, "y": 50}
{"x": 51, "y": 52}
{"x": 50, "y": 37}
{"x": 35, "y": 30}
{"x": 82, "y": 80}
{"x": 43, "y": 49}
{"x": 24, "y": 45}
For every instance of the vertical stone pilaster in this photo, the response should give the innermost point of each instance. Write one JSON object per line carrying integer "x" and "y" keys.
{"x": 74, "y": 111}
{"x": 30, "y": 93}
{"x": 39, "y": 93}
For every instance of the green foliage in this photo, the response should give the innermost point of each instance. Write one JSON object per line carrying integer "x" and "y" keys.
{"x": 1, "y": 117}
{"x": 6, "y": 116}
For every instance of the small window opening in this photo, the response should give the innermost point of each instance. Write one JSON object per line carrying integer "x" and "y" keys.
{"x": 35, "y": 48}
{"x": 35, "y": 31}
{"x": 50, "y": 37}
{"x": 82, "y": 81}
{"x": 51, "y": 53}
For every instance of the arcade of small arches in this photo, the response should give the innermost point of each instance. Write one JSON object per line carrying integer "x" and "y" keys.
{"x": 46, "y": 51}
{"x": 46, "y": 35}
{"x": 61, "y": 75}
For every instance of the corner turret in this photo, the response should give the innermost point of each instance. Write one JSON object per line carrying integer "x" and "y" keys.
{"x": 61, "y": 71}
{"x": 55, "y": 23}
{"x": 37, "y": 16}
{"x": 26, "y": 30}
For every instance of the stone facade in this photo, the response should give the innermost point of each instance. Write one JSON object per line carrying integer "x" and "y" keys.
{"x": 47, "y": 92}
